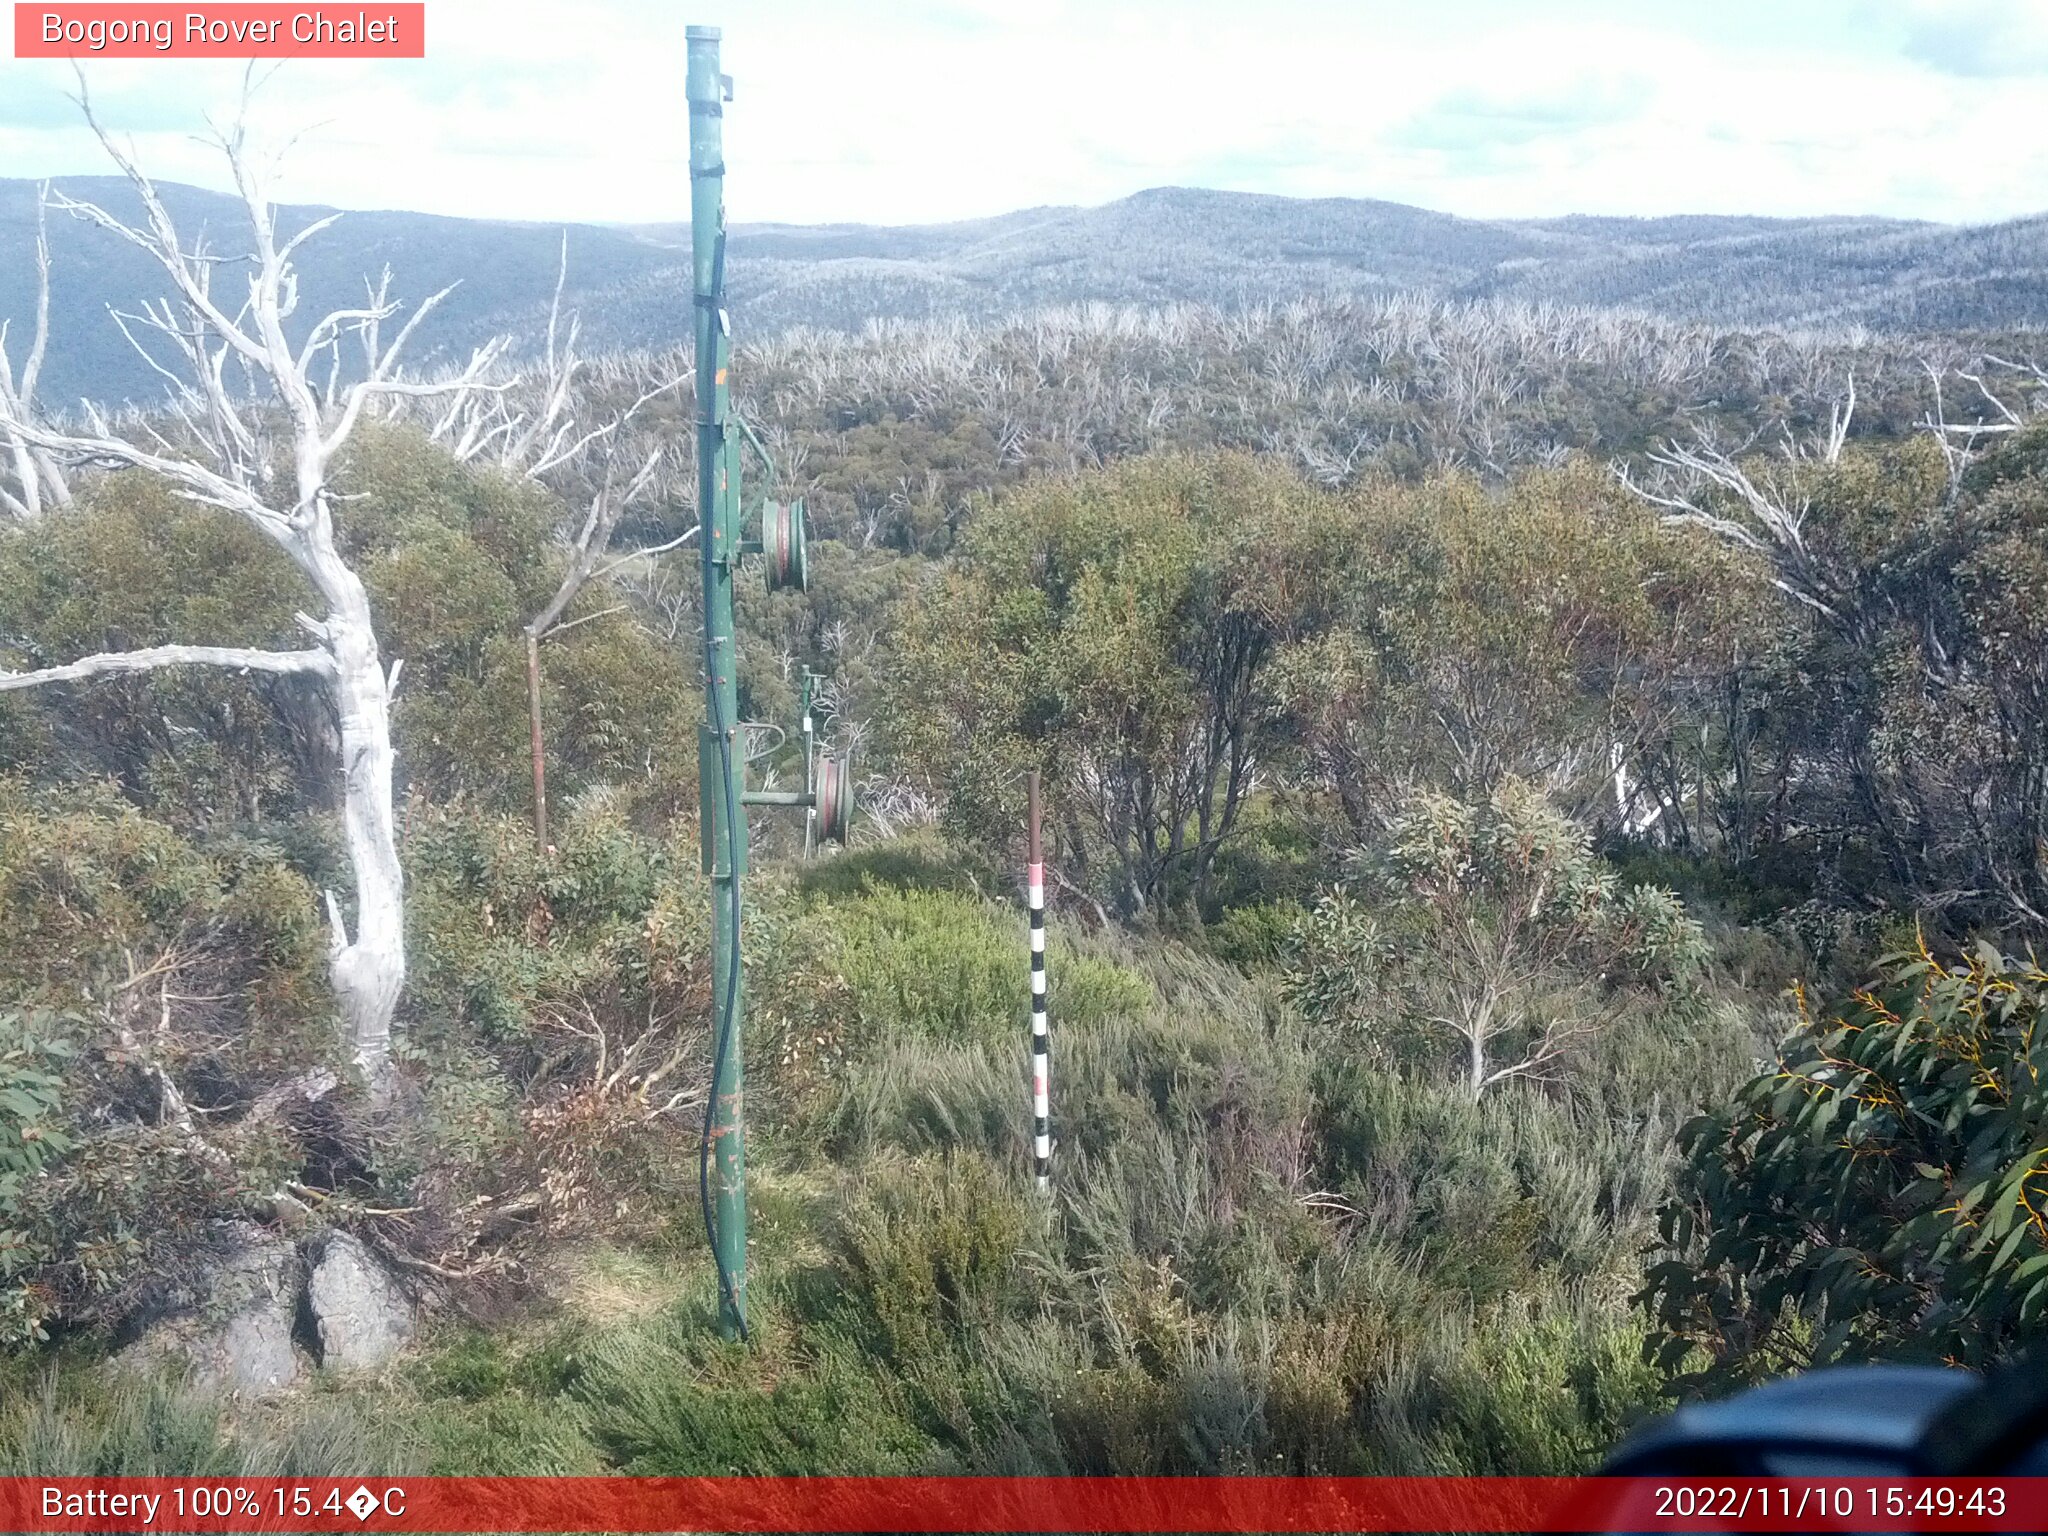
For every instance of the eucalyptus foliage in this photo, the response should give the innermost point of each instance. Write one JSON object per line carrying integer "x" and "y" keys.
{"x": 1489, "y": 926}
{"x": 33, "y": 1051}
{"x": 1882, "y": 1193}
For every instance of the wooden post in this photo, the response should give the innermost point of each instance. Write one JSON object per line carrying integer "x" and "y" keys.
{"x": 1041, "y": 1041}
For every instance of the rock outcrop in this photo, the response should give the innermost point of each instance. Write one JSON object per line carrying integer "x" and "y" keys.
{"x": 241, "y": 1337}
{"x": 360, "y": 1314}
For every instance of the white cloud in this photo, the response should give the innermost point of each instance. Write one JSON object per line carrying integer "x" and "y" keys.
{"x": 1977, "y": 38}
{"x": 934, "y": 109}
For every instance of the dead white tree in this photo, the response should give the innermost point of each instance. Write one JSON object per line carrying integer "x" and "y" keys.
{"x": 1960, "y": 440}
{"x": 1760, "y": 504}
{"x": 264, "y": 452}
{"x": 37, "y": 477}
{"x": 535, "y": 430}
{"x": 540, "y": 436}
{"x": 587, "y": 563}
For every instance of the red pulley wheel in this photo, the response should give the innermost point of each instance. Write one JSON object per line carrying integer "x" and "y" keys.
{"x": 783, "y": 540}
{"x": 835, "y": 797}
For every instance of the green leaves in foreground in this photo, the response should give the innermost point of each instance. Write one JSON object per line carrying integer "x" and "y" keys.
{"x": 1882, "y": 1193}
{"x": 31, "y": 1133}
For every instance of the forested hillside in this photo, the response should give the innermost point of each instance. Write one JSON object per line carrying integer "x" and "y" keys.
{"x": 1547, "y": 817}
{"x": 1167, "y": 246}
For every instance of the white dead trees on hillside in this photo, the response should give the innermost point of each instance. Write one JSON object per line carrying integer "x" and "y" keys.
{"x": 30, "y": 478}
{"x": 251, "y": 433}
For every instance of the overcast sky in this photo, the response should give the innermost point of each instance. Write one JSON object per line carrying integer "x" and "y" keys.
{"x": 942, "y": 109}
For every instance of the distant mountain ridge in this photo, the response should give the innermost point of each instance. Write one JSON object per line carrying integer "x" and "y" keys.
{"x": 1167, "y": 245}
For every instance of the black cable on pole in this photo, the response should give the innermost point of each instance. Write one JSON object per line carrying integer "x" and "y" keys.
{"x": 726, "y": 1286}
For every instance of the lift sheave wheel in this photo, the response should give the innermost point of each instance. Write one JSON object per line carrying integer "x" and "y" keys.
{"x": 834, "y": 793}
{"x": 782, "y": 546}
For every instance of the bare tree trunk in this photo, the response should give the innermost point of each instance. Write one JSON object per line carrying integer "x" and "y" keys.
{"x": 28, "y": 484}
{"x": 368, "y": 971}
{"x": 35, "y": 472}
{"x": 540, "y": 760}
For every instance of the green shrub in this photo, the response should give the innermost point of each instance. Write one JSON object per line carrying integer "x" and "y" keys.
{"x": 1273, "y": 857}
{"x": 132, "y": 564}
{"x": 102, "y": 1424}
{"x": 165, "y": 975}
{"x": 456, "y": 560}
{"x": 659, "y": 1418}
{"x": 1533, "y": 1391}
{"x": 1878, "y": 1195}
{"x": 664, "y": 1396}
{"x": 919, "y": 1095}
{"x": 919, "y": 861}
{"x": 1255, "y": 936}
{"x": 928, "y": 1251}
{"x": 943, "y": 966}
{"x": 930, "y": 963}
{"x": 558, "y": 1010}
{"x": 1492, "y": 939}
{"x": 1491, "y": 1200}
{"x": 505, "y": 937}
{"x": 32, "y": 1133}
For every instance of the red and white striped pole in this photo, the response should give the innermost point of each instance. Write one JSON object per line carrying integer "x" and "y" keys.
{"x": 1041, "y": 1040}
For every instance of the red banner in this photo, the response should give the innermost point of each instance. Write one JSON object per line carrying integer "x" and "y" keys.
{"x": 240, "y": 31}
{"x": 1018, "y": 1504}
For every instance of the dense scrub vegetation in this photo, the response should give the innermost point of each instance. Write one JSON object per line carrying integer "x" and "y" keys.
{"x": 1440, "y": 856}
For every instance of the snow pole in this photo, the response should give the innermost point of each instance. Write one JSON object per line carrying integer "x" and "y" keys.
{"x": 1041, "y": 1039}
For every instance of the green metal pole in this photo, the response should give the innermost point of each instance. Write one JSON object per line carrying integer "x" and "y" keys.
{"x": 719, "y": 749}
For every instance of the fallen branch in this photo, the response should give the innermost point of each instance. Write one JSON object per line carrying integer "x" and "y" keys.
{"x": 152, "y": 658}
